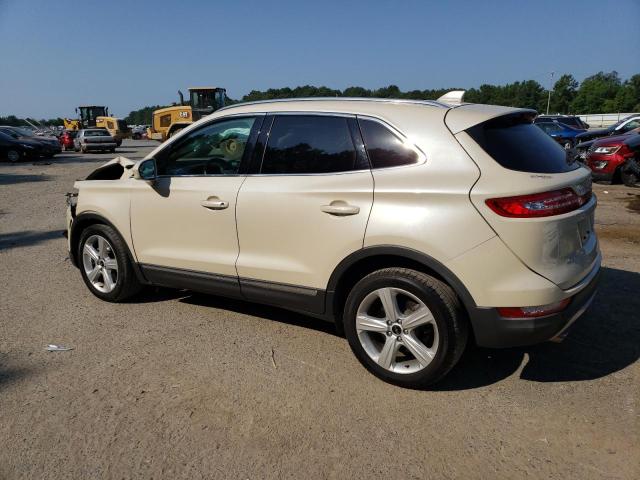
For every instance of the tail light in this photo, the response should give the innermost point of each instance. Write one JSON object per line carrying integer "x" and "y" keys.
{"x": 535, "y": 205}
{"x": 534, "y": 312}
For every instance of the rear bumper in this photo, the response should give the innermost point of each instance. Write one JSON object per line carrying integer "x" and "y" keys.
{"x": 493, "y": 331}
{"x": 100, "y": 146}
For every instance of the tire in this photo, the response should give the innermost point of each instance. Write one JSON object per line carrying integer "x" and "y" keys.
{"x": 630, "y": 175}
{"x": 83, "y": 149}
{"x": 76, "y": 149}
{"x": 113, "y": 150}
{"x": 13, "y": 156}
{"x": 445, "y": 328}
{"x": 123, "y": 282}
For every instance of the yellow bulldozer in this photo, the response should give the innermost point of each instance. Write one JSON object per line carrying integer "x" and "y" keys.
{"x": 98, "y": 116}
{"x": 168, "y": 121}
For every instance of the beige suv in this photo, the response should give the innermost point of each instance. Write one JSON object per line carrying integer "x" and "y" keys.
{"x": 416, "y": 226}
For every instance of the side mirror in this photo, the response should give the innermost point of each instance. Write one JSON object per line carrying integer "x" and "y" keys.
{"x": 145, "y": 170}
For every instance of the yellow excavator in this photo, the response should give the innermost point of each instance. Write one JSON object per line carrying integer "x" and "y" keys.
{"x": 168, "y": 121}
{"x": 98, "y": 116}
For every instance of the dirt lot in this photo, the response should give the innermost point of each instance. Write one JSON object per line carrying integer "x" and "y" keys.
{"x": 178, "y": 385}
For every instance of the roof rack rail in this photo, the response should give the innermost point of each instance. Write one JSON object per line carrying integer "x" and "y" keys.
{"x": 432, "y": 103}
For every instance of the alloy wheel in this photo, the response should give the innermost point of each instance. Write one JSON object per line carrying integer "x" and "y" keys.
{"x": 100, "y": 263}
{"x": 13, "y": 156}
{"x": 397, "y": 330}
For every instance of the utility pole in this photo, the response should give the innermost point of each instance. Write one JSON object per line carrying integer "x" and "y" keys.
{"x": 549, "y": 98}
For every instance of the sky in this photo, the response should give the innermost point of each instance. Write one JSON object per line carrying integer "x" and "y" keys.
{"x": 59, "y": 54}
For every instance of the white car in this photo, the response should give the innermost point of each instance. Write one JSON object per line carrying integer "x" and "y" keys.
{"x": 416, "y": 226}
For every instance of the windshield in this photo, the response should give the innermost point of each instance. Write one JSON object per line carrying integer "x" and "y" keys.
{"x": 23, "y": 132}
{"x": 96, "y": 133}
{"x": 89, "y": 114}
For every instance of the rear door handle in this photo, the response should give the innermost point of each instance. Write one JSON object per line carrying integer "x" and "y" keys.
{"x": 214, "y": 204}
{"x": 341, "y": 209}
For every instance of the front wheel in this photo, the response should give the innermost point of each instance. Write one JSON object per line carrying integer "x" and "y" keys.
{"x": 405, "y": 327}
{"x": 630, "y": 174}
{"x": 13, "y": 156}
{"x": 105, "y": 265}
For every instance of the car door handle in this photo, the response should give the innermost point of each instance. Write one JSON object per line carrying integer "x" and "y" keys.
{"x": 214, "y": 204}
{"x": 340, "y": 209}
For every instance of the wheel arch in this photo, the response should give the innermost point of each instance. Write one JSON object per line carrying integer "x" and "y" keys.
{"x": 369, "y": 259}
{"x": 87, "y": 219}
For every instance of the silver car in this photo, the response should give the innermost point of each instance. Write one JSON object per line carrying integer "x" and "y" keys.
{"x": 92, "y": 139}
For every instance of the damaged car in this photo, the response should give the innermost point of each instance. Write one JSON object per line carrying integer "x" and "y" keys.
{"x": 416, "y": 226}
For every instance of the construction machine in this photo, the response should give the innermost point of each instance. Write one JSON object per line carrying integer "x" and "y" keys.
{"x": 98, "y": 116}
{"x": 168, "y": 121}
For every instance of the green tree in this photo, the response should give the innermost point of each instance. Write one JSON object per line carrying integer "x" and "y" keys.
{"x": 597, "y": 93}
{"x": 563, "y": 93}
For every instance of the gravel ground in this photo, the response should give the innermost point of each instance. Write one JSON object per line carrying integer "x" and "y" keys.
{"x": 179, "y": 385}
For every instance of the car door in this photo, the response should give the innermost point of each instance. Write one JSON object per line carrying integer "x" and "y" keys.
{"x": 183, "y": 225}
{"x": 303, "y": 208}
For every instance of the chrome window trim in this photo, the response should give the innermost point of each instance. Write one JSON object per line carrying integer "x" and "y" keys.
{"x": 430, "y": 103}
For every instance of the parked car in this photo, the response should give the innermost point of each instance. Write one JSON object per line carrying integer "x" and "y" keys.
{"x": 563, "y": 134}
{"x": 569, "y": 120}
{"x": 138, "y": 132}
{"x": 50, "y": 145}
{"x": 583, "y": 148}
{"x": 614, "y": 159}
{"x": 623, "y": 126}
{"x": 92, "y": 139}
{"x": 66, "y": 139}
{"x": 14, "y": 148}
{"x": 413, "y": 225}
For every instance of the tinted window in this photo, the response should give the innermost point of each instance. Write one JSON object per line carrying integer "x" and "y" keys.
{"x": 96, "y": 133}
{"x": 630, "y": 126}
{"x": 517, "y": 144}
{"x": 215, "y": 149}
{"x": 549, "y": 127}
{"x": 385, "y": 148}
{"x": 309, "y": 144}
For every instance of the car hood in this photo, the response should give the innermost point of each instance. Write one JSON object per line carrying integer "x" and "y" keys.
{"x": 593, "y": 133}
{"x": 117, "y": 169}
{"x": 28, "y": 141}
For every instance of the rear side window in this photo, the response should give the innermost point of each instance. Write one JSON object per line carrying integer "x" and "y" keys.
{"x": 384, "y": 147}
{"x": 515, "y": 143}
{"x": 301, "y": 144}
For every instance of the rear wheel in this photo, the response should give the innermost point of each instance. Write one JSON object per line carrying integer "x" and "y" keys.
{"x": 105, "y": 265}
{"x": 83, "y": 149}
{"x": 405, "y": 327}
{"x": 13, "y": 156}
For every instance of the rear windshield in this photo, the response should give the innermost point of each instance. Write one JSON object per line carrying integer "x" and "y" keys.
{"x": 96, "y": 133}
{"x": 515, "y": 143}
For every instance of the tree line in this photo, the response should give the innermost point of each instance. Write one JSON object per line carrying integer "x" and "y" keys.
{"x": 13, "y": 121}
{"x": 599, "y": 93}
{"x": 604, "y": 92}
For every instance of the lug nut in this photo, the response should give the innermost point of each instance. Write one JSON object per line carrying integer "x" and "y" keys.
{"x": 398, "y": 338}
{"x": 406, "y": 331}
{"x": 388, "y": 333}
{"x": 388, "y": 322}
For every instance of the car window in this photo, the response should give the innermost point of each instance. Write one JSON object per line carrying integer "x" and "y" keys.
{"x": 165, "y": 120}
{"x": 384, "y": 147}
{"x": 300, "y": 144}
{"x": 10, "y": 133}
{"x": 96, "y": 133}
{"x": 215, "y": 149}
{"x": 550, "y": 127}
{"x": 516, "y": 144}
{"x": 630, "y": 126}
